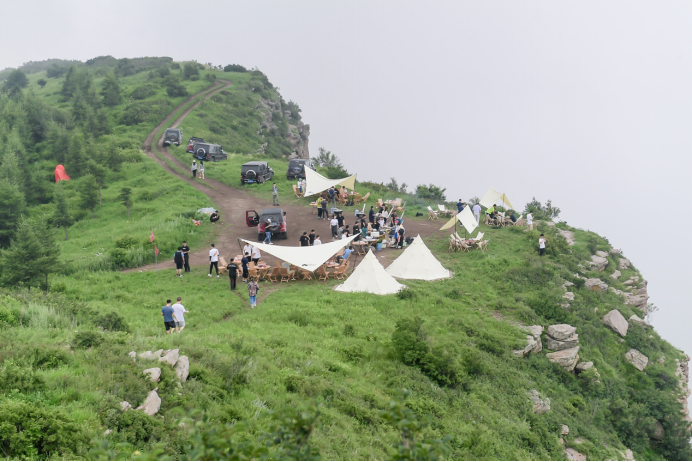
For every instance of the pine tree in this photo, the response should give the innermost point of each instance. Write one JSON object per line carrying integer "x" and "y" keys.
{"x": 88, "y": 197}
{"x": 114, "y": 159}
{"x": 74, "y": 159}
{"x": 61, "y": 216}
{"x": 111, "y": 90}
{"x": 99, "y": 173}
{"x": 48, "y": 261}
{"x": 12, "y": 206}
{"x": 126, "y": 198}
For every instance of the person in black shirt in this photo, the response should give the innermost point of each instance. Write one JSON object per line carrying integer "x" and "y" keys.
{"x": 304, "y": 239}
{"x": 186, "y": 254}
{"x": 340, "y": 219}
{"x": 371, "y": 214}
{"x": 214, "y": 217}
{"x": 178, "y": 259}
{"x": 245, "y": 262}
{"x": 312, "y": 237}
{"x": 232, "y": 273}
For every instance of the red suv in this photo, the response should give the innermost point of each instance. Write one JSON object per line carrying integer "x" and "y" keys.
{"x": 277, "y": 216}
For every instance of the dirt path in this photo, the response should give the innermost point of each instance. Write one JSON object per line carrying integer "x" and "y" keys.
{"x": 233, "y": 202}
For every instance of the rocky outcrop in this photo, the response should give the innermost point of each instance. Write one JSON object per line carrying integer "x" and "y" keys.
{"x": 616, "y": 275}
{"x": 658, "y": 431}
{"x": 182, "y": 368}
{"x": 154, "y": 373}
{"x": 564, "y": 431}
{"x": 559, "y": 345}
{"x": 638, "y": 300}
{"x": 601, "y": 253}
{"x": 133, "y": 355}
{"x": 298, "y": 133}
{"x": 627, "y": 455}
{"x": 624, "y": 263}
{"x": 170, "y": 357}
{"x": 615, "y": 251}
{"x": 566, "y": 358}
{"x": 561, "y": 331}
{"x": 584, "y": 366}
{"x": 637, "y": 359}
{"x": 573, "y": 454}
{"x": 568, "y": 235}
{"x": 568, "y": 296}
{"x": 151, "y": 404}
{"x": 682, "y": 372}
{"x": 598, "y": 263}
{"x": 616, "y": 322}
{"x": 125, "y": 406}
{"x": 148, "y": 355}
{"x": 540, "y": 406}
{"x": 596, "y": 285}
{"x": 634, "y": 319}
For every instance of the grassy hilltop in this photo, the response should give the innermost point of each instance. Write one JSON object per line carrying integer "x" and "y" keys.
{"x": 310, "y": 372}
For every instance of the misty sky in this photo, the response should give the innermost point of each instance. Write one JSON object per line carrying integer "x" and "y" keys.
{"x": 586, "y": 103}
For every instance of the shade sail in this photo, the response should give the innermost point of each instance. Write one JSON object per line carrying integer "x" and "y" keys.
{"x": 316, "y": 183}
{"x": 308, "y": 258}
{"x": 418, "y": 262}
{"x": 466, "y": 219}
{"x": 60, "y": 173}
{"x": 492, "y": 196}
{"x": 370, "y": 276}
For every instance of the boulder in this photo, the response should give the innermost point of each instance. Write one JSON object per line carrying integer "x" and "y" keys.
{"x": 151, "y": 404}
{"x": 170, "y": 357}
{"x": 601, "y": 253}
{"x": 568, "y": 235}
{"x": 657, "y": 433}
{"x": 133, "y": 355}
{"x": 583, "y": 366}
{"x": 569, "y": 296}
{"x": 615, "y": 251}
{"x": 616, "y": 275}
{"x": 540, "y": 406}
{"x": 628, "y": 455}
{"x": 624, "y": 263}
{"x": 536, "y": 331}
{"x": 566, "y": 358}
{"x": 564, "y": 431}
{"x": 158, "y": 353}
{"x": 182, "y": 368}
{"x": 107, "y": 432}
{"x": 637, "y": 300}
{"x": 532, "y": 345}
{"x": 147, "y": 355}
{"x": 596, "y": 284}
{"x": 561, "y": 331}
{"x": 598, "y": 263}
{"x": 559, "y": 345}
{"x": 125, "y": 406}
{"x": 154, "y": 373}
{"x": 616, "y": 321}
{"x": 573, "y": 454}
{"x": 550, "y": 223}
{"x": 637, "y": 359}
{"x": 637, "y": 320}
{"x": 567, "y": 284}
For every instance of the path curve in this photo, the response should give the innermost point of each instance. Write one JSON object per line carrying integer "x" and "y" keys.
{"x": 233, "y": 202}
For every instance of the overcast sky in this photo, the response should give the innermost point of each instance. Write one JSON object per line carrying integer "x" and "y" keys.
{"x": 586, "y": 103}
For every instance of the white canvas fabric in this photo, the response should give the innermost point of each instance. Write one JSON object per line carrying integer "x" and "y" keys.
{"x": 492, "y": 196}
{"x": 418, "y": 262}
{"x": 466, "y": 219}
{"x": 370, "y": 276}
{"x": 308, "y": 258}
{"x": 316, "y": 183}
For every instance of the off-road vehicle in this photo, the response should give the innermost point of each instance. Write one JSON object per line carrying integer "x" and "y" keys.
{"x": 255, "y": 172}
{"x": 296, "y": 168}
{"x": 172, "y": 136}
{"x": 209, "y": 152}
{"x": 278, "y": 217}
{"x": 191, "y": 144}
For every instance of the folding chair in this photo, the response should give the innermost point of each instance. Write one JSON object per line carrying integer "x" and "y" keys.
{"x": 275, "y": 275}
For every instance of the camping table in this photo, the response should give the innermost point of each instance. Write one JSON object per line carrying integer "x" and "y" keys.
{"x": 360, "y": 247}
{"x": 262, "y": 271}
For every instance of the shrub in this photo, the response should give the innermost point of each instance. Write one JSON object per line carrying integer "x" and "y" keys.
{"x": 112, "y": 321}
{"x": 353, "y": 353}
{"x": 143, "y": 92}
{"x": 234, "y": 68}
{"x": 137, "y": 428}
{"x": 48, "y": 358}
{"x": 119, "y": 257}
{"x": 431, "y": 192}
{"x": 294, "y": 383}
{"x": 8, "y": 318}
{"x": 125, "y": 242}
{"x": 87, "y": 339}
{"x": 406, "y": 294}
{"x": 349, "y": 330}
{"x": 15, "y": 377}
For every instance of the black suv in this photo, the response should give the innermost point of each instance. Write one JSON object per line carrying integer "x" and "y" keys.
{"x": 209, "y": 152}
{"x": 191, "y": 144}
{"x": 255, "y": 172}
{"x": 296, "y": 168}
{"x": 172, "y": 136}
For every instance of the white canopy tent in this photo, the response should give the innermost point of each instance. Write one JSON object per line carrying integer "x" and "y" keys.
{"x": 492, "y": 196}
{"x": 316, "y": 183}
{"x": 466, "y": 219}
{"x": 418, "y": 262}
{"x": 370, "y": 276}
{"x": 308, "y": 258}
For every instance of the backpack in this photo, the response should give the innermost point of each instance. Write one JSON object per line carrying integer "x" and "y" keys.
{"x": 178, "y": 256}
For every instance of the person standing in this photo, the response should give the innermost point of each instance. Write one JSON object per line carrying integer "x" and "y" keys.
{"x": 311, "y": 236}
{"x": 541, "y": 245}
{"x": 252, "y": 289}
{"x": 186, "y": 254}
{"x": 529, "y": 220}
{"x": 168, "y": 317}
{"x": 477, "y": 213}
{"x": 245, "y": 262}
{"x": 179, "y": 259}
{"x": 318, "y": 241}
{"x": 194, "y": 169}
{"x": 304, "y": 240}
{"x": 232, "y": 268}
{"x": 332, "y": 196}
{"x": 335, "y": 226}
{"x": 319, "y": 207}
{"x": 300, "y": 186}
{"x": 256, "y": 255}
{"x": 267, "y": 232}
{"x": 201, "y": 170}
{"x": 275, "y": 194}
{"x": 371, "y": 214}
{"x": 402, "y": 232}
{"x": 340, "y": 219}
{"x": 179, "y": 311}
{"x": 247, "y": 250}
{"x": 213, "y": 260}
{"x": 324, "y": 208}
{"x": 460, "y": 206}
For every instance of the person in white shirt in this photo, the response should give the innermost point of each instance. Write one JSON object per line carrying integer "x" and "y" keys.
{"x": 214, "y": 260}
{"x": 541, "y": 244}
{"x": 335, "y": 227}
{"x": 318, "y": 241}
{"x": 256, "y": 255}
{"x": 477, "y": 212}
{"x": 179, "y": 311}
{"x": 529, "y": 220}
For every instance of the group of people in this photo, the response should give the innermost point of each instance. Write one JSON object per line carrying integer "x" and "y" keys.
{"x": 174, "y": 316}
{"x": 181, "y": 258}
{"x": 197, "y": 169}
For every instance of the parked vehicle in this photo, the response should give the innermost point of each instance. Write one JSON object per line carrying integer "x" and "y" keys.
{"x": 209, "y": 152}
{"x": 255, "y": 172}
{"x": 191, "y": 144}
{"x": 278, "y": 217}
{"x": 296, "y": 168}
{"x": 172, "y": 136}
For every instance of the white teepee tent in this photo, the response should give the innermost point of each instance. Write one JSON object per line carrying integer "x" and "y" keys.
{"x": 418, "y": 262}
{"x": 370, "y": 276}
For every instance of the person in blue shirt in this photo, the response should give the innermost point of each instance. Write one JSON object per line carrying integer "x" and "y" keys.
{"x": 344, "y": 257}
{"x": 245, "y": 262}
{"x": 168, "y": 317}
{"x": 460, "y": 206}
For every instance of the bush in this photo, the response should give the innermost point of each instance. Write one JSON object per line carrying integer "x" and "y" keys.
{"x": 87, "y": 339}
{"x": 48, "y": 358}
{"x": 406, "y": 294}
{"x": 125, "y": 242}
{"x": 143, "y": 92}
{"x": 15, "y": 377}
{"x": 234, "y": 68}
{"x": 119, "y": 257}
{"x": 431, "y": 193}
{"x": 8, "y": 318}
{"x": 113, "y": 322}
{"x": 173, "y": 87}
{"x": 349, "y": 330}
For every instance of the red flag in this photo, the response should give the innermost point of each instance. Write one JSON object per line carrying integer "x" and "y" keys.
{"x": 156, "y": 249}
{"x": 151, "y": 238}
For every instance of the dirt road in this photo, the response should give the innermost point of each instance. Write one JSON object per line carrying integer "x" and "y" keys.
{"x": 233, "y": 202}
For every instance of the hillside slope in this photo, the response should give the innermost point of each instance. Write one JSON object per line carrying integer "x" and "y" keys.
{"x": 454, "y": 344}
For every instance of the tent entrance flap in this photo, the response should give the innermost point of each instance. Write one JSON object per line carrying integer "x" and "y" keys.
{"x": 308, "y": 258}
{"x": 316, "y": 183}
